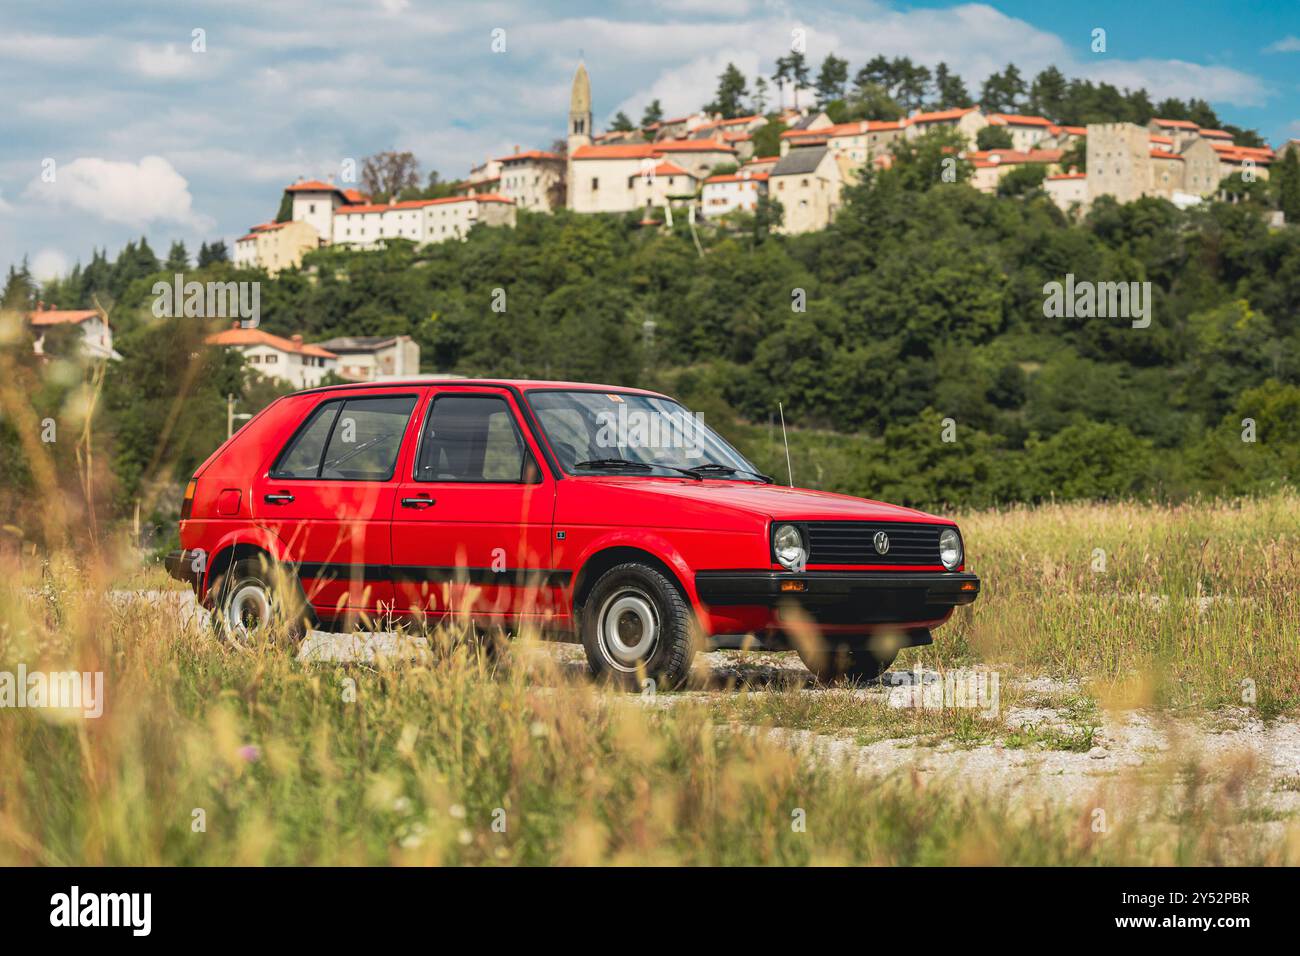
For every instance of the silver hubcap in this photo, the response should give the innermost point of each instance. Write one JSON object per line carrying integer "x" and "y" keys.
{"x": 248, "y": 610}
{"x": 629, "y": 629}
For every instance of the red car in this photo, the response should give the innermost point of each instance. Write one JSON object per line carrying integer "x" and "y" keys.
{"x": 607, "y": 515}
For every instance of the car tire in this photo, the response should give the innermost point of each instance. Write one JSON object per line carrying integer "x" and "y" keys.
{"x": 637, "y": 626}
{"x": 846, "y": 660}
{"x": 257, "y": 601}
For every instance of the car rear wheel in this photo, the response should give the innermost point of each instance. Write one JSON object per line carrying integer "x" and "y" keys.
{"x": 833, "y": 661}
{"x": 258, "y": 600}
{"x": 636, "y": 626}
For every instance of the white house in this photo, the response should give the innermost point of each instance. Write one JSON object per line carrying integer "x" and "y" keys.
{"x": 96, "y": 335}
{"x": 289, "y": 360}
{"x": 740, "y": 190}
{"x": 420, "y": 220}
{"x": 314, "y": 202}
{"x": 1026, "y": 132}
{"x": 370, "y": 358}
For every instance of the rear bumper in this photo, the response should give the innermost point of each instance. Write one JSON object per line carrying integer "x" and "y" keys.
{"x": 863, "y": 600}
{"x": 180, "y": 565}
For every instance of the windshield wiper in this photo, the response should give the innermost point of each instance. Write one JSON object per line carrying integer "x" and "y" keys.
{"x": 712, "y": 468}
{"x": 637, "y": 465}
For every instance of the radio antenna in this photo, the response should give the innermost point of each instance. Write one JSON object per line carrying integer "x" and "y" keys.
{"x": 785, "y": 441}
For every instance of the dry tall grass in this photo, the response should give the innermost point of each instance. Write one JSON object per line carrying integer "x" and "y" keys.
{"x": 468, "y": 759}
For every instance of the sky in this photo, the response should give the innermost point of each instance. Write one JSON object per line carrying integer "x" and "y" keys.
{"x": 185, "y": 120}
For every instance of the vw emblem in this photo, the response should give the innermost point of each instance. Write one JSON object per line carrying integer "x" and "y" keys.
{"x": 881, "y": 541}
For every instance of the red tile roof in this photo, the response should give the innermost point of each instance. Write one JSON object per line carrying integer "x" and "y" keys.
{"x": 61, "y": 316}
{"x": 246, "y": 337}
{"x": 537, "y": 154}
{"x": 1165, "y": 140}
{"x": 313, "y": 186}
{"x": 1175, "y": 124}
{"x": 1216, "y": 134}
{"x": 1165, "y": 154}
{"x": 652, "y": 150}
{"x": 670, "y": 169}
{"x": 420, "y": 204}
{"x": 939, "y": 117}
{"x": 984, "y": 158}
{"x": 1013, "y": 119}
{"x": 1069, "y": 176}
{"x": 737, "y": 178}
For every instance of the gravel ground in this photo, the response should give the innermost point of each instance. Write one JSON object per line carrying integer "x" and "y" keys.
{"x": 1132, "y": 749}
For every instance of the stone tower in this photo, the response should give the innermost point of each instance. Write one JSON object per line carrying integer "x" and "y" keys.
{"x": 580, "y": 110}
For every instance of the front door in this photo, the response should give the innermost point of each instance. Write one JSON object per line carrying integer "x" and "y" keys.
{"x": 329, "y": 497}
{"x": 472, "y": 521}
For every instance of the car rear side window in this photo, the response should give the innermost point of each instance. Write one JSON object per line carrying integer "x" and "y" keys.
{"x": 356, "y": 439}
{"x": 473, "y": 438}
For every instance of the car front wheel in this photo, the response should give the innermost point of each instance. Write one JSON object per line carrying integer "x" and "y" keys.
{"x": 636, "y": 625}
{"x": 832, "y": 661}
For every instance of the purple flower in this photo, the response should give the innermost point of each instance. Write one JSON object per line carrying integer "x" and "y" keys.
{"x": 251, "y": 752}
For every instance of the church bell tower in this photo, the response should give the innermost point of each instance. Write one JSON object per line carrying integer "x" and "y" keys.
{"x": 580, "y": 111}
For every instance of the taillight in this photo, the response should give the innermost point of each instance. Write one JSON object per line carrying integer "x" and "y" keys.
{"x": 188, "y": 504}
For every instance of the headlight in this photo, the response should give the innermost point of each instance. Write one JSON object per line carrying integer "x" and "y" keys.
{"x": 950, "y": 548}
{"x": 788, "y": 544}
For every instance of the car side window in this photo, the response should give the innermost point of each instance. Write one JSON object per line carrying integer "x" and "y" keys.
{"x": 473, "y": 438}
{"x": 356, "y": 439}
{"x": 367, "y": 437}
{"x": 301, "y": 459}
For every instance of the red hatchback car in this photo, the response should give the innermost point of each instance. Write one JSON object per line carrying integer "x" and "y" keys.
{"x": 607, "y": 515}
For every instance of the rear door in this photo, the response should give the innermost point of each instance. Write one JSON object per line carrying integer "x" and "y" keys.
{"x": 471, "y": 526}
{"x": 329, "y": 496}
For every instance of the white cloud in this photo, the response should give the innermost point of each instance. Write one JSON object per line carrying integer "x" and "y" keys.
{"x": 46, "y": 49}
{"x": 165, "y": 62}
{"x": 49, "y": 264}
{"x": 1288, "y": 44}
{"x": 1178, "y": 78}
{"x": 131, "y": 193}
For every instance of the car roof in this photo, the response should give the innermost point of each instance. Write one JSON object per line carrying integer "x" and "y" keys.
{"x": 519, "y": 384}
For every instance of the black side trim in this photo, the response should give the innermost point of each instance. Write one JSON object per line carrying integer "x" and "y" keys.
{"x": 547, "y": 577}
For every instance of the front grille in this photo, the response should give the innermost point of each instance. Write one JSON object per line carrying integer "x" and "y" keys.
{"x": 850, "y": 542}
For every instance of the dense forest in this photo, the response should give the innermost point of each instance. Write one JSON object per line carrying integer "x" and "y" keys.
{"x": 908, "y": 343}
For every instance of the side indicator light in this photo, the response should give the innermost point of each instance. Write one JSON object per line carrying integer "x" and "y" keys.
{"x": 968, "y": 586}
{"x": 794, "y": 586}
{"x": 188, "y": 504}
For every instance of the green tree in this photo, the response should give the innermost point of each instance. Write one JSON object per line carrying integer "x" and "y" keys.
{"x": 993, "y": 137}
{"x": 178, "y": 258}
{"x": 1047, "y": 93}
{"x": 285, "y": 212}
{"x": 832, "y": 79}
{"x": 733, "y": 92}
{"x": 621, "y": 123}
{"x": 654, "y": 113}
{"x": 1002, "y": 92}
{"x": 949, "y": 89}
{"x": 1288, "y": 185}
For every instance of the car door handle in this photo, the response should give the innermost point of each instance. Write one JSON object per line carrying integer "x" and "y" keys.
{"x": 421, "y": 502}
{"x": 280, "y": 498}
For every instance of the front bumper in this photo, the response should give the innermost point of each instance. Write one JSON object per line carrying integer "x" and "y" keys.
{"x": 180, "y": 565}
{"x": 843, "y": 598}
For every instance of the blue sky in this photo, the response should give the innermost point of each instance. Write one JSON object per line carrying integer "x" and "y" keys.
{"x": 149, "y": 137}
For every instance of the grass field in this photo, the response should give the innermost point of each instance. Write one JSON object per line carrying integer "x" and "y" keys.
{"x": 210, "y": 755}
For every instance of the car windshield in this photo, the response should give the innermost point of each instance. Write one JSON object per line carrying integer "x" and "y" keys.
{"x": 611, "y": 432}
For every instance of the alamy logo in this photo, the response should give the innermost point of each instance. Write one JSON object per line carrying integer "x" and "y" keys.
{"x": 134, "y": 910}
{"x": 208, "y": 300}
{"x": 59, "y": 690}
{"x": 1102, "y": 300}
{"x": 655, "y": 430}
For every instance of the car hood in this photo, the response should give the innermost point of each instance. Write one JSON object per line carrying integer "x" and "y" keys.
{"x": 775, "y": 501}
